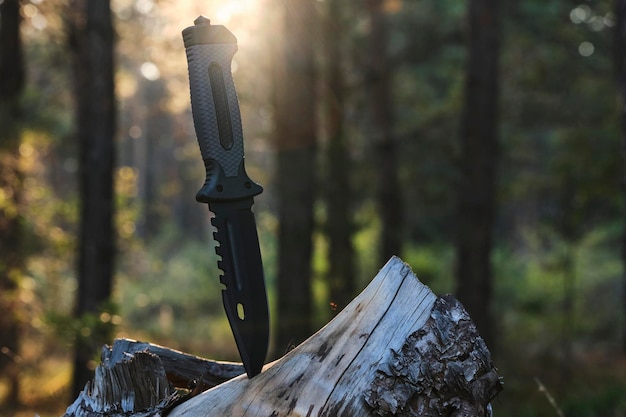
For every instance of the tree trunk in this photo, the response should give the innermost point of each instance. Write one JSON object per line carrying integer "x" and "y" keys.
{"x": 91, "y": 39}
{"x": 11, "y": 184}
{"x": 154, "y": 173}
{"x": 479, "y": 150}
{"x": 395, "y": 350}
{"x": 620, "y": 69}
{"x": 296, "y": 148}
{"x": 339, "y": 226}
{"x": 384, "y": 155}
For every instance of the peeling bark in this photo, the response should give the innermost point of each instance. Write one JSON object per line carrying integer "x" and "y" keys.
{"x": 443, "y": 369}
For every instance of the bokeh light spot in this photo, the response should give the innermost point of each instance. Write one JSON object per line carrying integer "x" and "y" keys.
{"x": 586, "y": 48}
{"x": 580, "y": 14}
{"x": 150, "y": 71}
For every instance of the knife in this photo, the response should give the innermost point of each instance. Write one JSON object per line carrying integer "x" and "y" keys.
{"x": 227, "y": 189}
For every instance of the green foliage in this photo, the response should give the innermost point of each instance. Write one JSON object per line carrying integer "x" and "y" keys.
{"x": 365, "y": 242}
{"x": 170, "y": 291}
{"x": 433, "y": 264}
{"x": 561, "y": 153}
{"x": 95, "y": 329}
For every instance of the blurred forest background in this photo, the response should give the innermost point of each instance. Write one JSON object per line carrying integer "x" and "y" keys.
{"x": 479, "y": 140}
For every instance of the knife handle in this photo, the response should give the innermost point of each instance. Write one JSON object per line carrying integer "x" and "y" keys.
{"x": 215, "y": 109}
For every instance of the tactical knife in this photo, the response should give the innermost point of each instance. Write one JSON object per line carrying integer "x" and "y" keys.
{"x": 227, "y": 189}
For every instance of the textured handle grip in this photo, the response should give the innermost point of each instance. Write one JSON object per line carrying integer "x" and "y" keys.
{"x": 215, "y": 109}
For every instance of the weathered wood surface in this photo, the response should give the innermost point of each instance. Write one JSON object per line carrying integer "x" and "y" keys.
{"x": 138, "y": 379}
{"x": 395, "y": 350}
{"x": 135, "y": 385}
{"x": 181, "y": 368}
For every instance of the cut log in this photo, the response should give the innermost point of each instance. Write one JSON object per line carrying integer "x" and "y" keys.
{"x": 135, "y": 384}
{"x": 181, "y": 369}
{"x": 395, "y": 350}
{"x": 138, "y": 379}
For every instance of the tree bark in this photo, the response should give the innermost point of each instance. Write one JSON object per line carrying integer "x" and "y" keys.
{"x": 620, "y": 70}
{"x": 479, "y": 155}
{"x": 384, "y": 155}
{"x": 91, "y": 38}
{"x": 395, "y": 350}
{"x": 296, "y": 140}
{"x": 11, "y": 185}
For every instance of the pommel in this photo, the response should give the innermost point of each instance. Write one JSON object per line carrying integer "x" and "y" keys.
{"x": 204, "y": 33}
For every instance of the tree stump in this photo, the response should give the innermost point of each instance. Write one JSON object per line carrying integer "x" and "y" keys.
{"x": 395, "y": 350}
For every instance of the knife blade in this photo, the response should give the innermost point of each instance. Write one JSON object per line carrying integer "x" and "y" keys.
{"x": 228, "y": 189}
